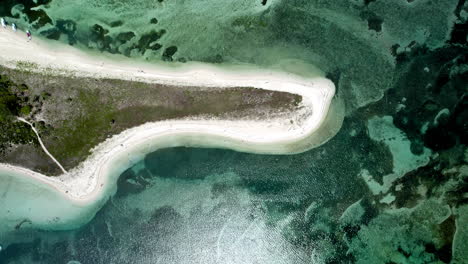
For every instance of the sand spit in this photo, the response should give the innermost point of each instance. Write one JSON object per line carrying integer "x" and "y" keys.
{"x": 72, "y": 199}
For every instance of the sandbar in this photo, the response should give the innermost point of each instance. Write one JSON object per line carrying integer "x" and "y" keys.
{"x": 73, "y": 198}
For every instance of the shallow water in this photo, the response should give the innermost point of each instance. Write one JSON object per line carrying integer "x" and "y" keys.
{"x": 389, "y": 188}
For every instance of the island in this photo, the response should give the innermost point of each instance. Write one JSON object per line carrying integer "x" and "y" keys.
{"x": 79, "y": 120}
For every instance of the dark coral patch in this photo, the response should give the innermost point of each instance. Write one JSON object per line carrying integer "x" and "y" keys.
{"x": 148, "y": 41}
{"x": 168, "y": 53}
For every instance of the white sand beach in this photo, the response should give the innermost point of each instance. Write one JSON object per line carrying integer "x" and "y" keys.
{"x": 73, "y": 198}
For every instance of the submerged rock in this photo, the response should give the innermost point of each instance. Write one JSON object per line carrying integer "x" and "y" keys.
{"x": 168, "y": 53}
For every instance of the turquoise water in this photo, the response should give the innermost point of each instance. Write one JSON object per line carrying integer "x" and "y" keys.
{"x": 389, "y": 188}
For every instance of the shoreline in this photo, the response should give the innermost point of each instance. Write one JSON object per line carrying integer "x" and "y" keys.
{"x": 81, "y": 192}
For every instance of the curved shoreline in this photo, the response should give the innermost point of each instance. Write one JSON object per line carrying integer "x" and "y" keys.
{"x": 80, "y": 193}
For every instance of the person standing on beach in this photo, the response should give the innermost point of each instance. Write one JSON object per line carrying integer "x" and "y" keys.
{"x": 13, "y": 26}
{"x": 2, "y": 20}
{"x": 28, "y": 33}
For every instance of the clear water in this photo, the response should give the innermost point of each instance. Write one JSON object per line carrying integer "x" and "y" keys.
{"x": 389, "y": 188}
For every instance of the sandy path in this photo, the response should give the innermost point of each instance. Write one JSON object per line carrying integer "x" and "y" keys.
{"x": 73, "y": 198}
{"x": 42, "y": 144}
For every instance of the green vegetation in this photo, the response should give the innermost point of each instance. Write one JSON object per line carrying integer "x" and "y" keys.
{"x": 9, "y": 105}
{"x": 84, "y": 131}
{"x": 25, "y": 110}
{"x": 12, "y": 132}
{"x": 78, "y": 113}
{"x": 26, "y": 66}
